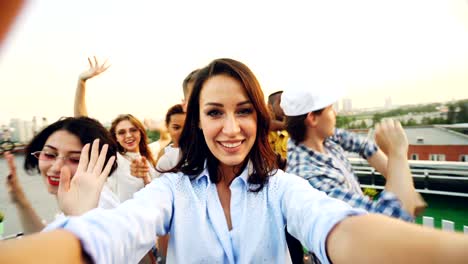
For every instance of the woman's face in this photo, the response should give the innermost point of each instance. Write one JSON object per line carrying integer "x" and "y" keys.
{"x": 61, "y": 149}
{"x": 228, "y": 120}
{"x": 128, "y": 136}
{"x": 176, "y": 123}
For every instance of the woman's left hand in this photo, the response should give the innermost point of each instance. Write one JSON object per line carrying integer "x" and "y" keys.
{"x": 80, "y": 193}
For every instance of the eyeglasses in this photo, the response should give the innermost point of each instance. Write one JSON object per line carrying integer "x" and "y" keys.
{"x": 72, "y": 159}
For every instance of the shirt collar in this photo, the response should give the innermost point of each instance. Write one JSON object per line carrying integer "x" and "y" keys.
{"x": 203, "y": 174}
{"x": 244, "y": 176}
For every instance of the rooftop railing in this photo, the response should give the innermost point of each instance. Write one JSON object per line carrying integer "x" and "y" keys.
{"x": 431, "y": 177}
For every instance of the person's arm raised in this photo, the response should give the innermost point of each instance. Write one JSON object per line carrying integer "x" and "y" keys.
{"x": 30, "y": 220}
{"x": 95, "y": 69}
{"x": 391, "y": 139}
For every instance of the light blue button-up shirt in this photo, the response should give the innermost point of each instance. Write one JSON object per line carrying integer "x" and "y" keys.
{"x": 190, "y": 210}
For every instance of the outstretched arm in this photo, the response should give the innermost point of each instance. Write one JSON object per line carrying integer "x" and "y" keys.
{"x": 337, "y": 233}
{"x": 29, "y": 219}
{"x": 379, "y": 239}
{"x": 37, "y": 248}
{"x": 94, "y": 70}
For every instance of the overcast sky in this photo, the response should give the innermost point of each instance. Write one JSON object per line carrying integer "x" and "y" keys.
{"x": 413, "y": 51}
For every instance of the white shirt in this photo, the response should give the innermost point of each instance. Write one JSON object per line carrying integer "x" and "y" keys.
{"x": 155, "y": 147}
{"x": 169, "y": 160}
{"x": 121, "y": 183}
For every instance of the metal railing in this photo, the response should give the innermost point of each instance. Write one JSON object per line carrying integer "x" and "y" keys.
{"x": 432, "y": 177}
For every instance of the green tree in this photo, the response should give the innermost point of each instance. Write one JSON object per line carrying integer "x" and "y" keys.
{"x": 462, "y": 114}
{"x": 342, "y": 121}
{"x": 363, "y": 124}
{"x": 377, "y": 117}
{"x": 451, "y": 115}
{"x": 411, "y": 122}
{"x": 152, "y": 135}
{"x": 426, "y": 120}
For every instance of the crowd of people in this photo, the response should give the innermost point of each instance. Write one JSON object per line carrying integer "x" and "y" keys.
{"x": 232, "y": 180}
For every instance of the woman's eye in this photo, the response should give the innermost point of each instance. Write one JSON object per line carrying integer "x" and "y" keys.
{"x": 245, "y": 111}
{"x": 214, "y": 113}
{"x": 121, "y": 133}
{"x": 74, "y": 160}
{"x": 49, "y": 155}
{"x": 133, "y": 130}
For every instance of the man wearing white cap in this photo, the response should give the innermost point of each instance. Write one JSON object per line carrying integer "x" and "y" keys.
{"x": 316, "y": 152}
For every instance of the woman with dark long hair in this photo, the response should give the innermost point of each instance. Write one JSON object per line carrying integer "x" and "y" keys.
{"x": 55, "y": 149}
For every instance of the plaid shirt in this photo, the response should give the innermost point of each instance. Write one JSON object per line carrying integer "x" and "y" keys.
{"x": 324, "y": 174}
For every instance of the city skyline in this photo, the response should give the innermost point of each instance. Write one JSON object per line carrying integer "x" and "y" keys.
{"x": 412, "y": 51}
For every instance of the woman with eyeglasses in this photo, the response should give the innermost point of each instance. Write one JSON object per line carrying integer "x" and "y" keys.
{"x": 227, "y": 202}
{"x": 53, "y": 152}
{"x": 132, "y": 140}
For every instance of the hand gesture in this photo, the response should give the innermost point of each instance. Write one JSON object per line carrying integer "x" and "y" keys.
{"x": 94, "y": 69}
{"x": 80, "y": 193}
{"x": 13, "y": 186}
{"x": 391, "y": 138}
{"x": 139, "y": 168}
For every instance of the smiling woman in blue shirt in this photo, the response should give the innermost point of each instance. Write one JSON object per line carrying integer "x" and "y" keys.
{"x": 226, "y": 202}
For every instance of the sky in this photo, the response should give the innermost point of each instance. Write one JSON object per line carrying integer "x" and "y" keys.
{"x": 414, "y": 51}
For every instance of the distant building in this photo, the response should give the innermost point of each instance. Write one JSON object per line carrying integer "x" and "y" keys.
{"x": 336, "y": 106}
{"x": 388, "y": 103}
{"x": 347, "y": 105}
{"x": 433, "y": 143}
{"x": 437, "y": 144}
{"x": 22, "y": 131}
{"x": 35, "y": 126}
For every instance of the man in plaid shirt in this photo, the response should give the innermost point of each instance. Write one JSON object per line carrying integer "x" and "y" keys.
{"x": 316, "y": 152}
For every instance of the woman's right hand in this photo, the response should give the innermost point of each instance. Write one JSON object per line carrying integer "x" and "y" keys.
{"x": 13, "y": 186}
{"x": 139, "y": 168}
{"x": 391, "y": 137}
{"x": 80, "y": 193}
{"x": 94, "y": 69}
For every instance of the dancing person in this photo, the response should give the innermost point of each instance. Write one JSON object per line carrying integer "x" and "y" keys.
{"x": 130, "y": 135}
{"x": 317, "y": 148}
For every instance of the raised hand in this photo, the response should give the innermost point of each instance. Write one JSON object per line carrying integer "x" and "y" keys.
{"x": 94, "y": 69}
{"x": 139, "y": 168}
{"x": 80, "y": 193}
{"x": 391, "y": 138}
{"x": 13, "y": 186}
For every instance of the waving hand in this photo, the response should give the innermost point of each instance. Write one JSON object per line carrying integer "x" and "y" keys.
{"x": 94, "y": 69}
{"x": 80, "y": 193}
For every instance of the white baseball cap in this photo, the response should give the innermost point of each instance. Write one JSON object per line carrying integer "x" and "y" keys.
{"x": 301, "y": 101}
